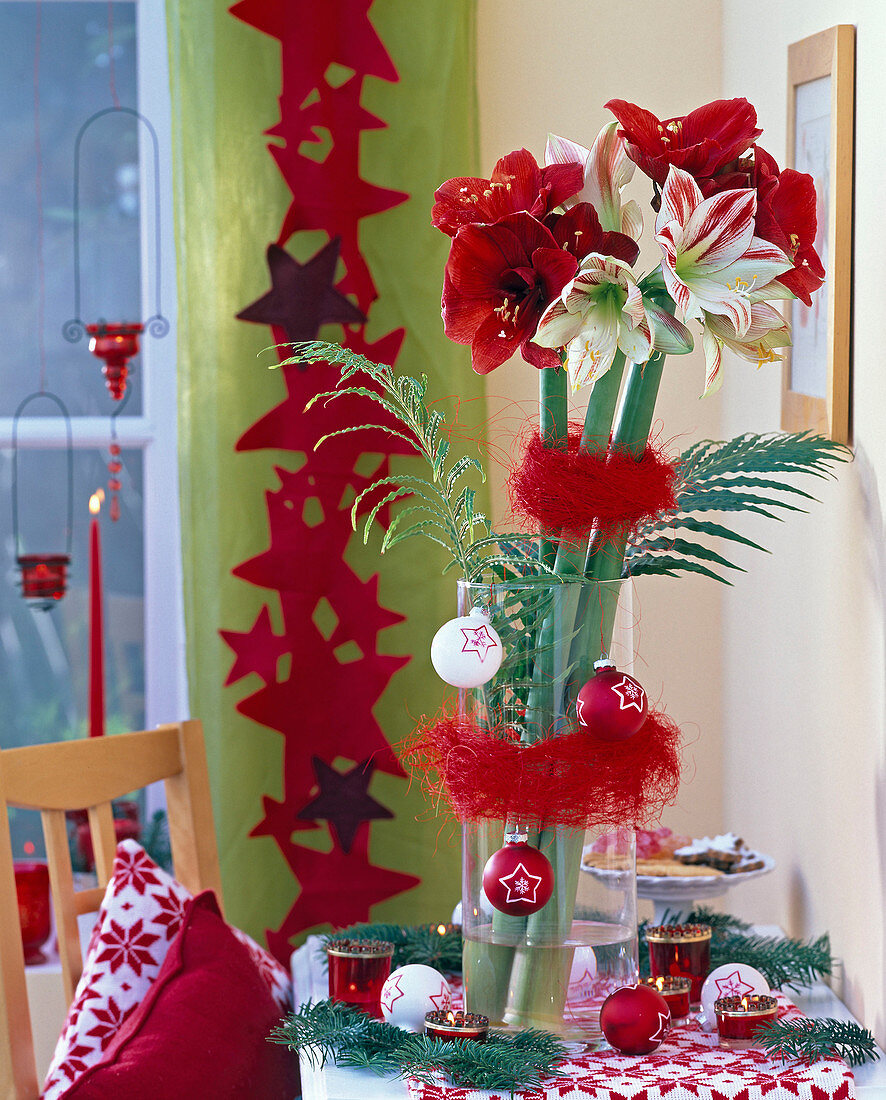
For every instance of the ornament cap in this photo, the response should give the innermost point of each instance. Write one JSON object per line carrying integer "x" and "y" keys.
{"x": 603, "y": 663}
{"x": 516, "y": 838}
{"x": 480, "y": 612}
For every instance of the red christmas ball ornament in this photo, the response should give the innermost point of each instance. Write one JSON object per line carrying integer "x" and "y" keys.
{"x": 634, "y": 1019}
{"x": 611, "y": 705}
{"x": 518, "y": 879}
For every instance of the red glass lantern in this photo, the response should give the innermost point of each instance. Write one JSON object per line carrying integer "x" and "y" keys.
{"x": 115, "y": 345}
{"x": 44, "y": 575}
{"x": 32, "y": 894}
{"x": 44, "y": 578}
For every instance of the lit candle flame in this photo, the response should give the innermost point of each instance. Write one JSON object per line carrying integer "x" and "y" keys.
{"x": 441, "y": 929}
{"x": 95, "y": 501}
{"x": 450, "y": 1017}
{"x": 660, "y": 983}
{"x": 744, "y": 1003}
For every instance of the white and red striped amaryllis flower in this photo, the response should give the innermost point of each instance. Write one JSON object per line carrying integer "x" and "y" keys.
{"x": 517, "y": 183}
{"x": 607, "y": 170}
{"x": 499, "y": 279}
{"x": 767, "y": 332}
{"x": 711, "y": 260}
{"x": 603, "y": 311}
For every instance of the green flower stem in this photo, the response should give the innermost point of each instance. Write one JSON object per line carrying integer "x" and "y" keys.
{"x": 553, "y": 426}
{"x": 570, "y": 559}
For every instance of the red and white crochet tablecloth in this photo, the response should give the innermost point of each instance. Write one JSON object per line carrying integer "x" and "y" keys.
{"x": 689, "y": 1065}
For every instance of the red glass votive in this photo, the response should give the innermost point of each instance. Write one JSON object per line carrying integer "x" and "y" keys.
{"x": 115, "y": 345}
{"x": 451, "y": 1026}
{"x": 675, "y": 992}
{"x": 357, "y": 971}
{"x": 738, "y": 1018}
{"x": 681, "y": 951}
{"x": 32, "y": 894}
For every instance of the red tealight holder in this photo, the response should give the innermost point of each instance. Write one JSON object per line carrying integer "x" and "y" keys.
{"x": 739, "y": 1018}
{"x": 450, "y": 1026}
{"x": 357, "y": 971}
{"x": 681, "y": 951}
{"x": 675, "y": 992}
{"x": 115, "y": 345}
{"x": 32, "y": 894}
{"x": 44, "y": 578}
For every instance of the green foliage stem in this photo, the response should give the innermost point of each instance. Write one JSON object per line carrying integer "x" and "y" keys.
{"x": 812, "y": 1040}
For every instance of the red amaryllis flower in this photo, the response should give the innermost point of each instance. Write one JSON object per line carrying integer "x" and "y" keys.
{"x": 786, "y": 217}
{"x": 579, "y": 232}
{"x": 700, "y": 143}
{"x": 499, "y": 280}
{"x": 517, "y": 183}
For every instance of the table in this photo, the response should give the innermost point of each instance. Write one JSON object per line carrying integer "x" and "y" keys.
{"x": 335, "y": 1083}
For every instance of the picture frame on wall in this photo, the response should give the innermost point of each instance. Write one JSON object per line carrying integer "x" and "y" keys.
{"x": 817, "y": 373}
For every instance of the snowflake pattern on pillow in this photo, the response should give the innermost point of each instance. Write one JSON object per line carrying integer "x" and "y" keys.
{"x": 139, "y": 917}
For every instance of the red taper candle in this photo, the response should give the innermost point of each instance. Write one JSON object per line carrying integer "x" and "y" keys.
{"x": 96, "y": 630}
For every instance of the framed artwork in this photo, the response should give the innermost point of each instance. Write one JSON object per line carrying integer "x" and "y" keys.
{"x": 816, "y": 385}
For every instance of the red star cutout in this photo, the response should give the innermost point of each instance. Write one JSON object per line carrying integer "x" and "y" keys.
{"x": 302, "y": 296}
{"x": 392, "y": 992}
{"x": 344, "y": 800}
{"x": 257, "y": 650}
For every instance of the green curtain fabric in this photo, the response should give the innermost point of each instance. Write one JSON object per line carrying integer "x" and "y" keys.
{"x": 229, "y": 204}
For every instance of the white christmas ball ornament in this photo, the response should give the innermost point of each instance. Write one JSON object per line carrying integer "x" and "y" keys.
{"x": 410, "y": 992}
{"x": 467, "y": 651}
{"x": 729, "y": 980}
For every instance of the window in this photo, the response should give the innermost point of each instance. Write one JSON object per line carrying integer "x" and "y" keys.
{"x": 75, "y": 58}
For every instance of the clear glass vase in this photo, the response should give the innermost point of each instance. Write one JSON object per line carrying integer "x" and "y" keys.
{"x": 554, "y": 968}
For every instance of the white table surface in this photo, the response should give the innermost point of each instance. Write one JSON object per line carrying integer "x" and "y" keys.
{"x": 335, "y": 1083}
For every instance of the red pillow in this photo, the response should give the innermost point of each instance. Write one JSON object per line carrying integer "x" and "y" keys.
{"x": 202, "y": 1028}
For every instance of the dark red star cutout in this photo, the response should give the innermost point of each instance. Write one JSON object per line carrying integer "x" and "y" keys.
{"x": 302, "y": 296}
{"x": 344, "y": 800}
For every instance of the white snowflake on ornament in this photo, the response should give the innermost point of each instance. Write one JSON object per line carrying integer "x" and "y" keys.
{"x": 467, "y": 652}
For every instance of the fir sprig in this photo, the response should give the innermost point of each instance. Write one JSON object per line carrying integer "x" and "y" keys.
{"x": 420, "y": 943}
{"x": 812, "y": 1040}
{"x": 784, "y": 963}
{"x": 326, "y": 1029}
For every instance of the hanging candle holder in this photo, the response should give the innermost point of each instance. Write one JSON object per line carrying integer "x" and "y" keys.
{"x": 115, "y": 343}
{"x": 44, "y": 575}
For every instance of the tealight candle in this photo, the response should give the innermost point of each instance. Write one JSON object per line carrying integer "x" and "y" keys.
{"x": 357, "y": 971}
{"x": 681, "y": 951}
{"x": 451, "y": 1026}
{"x": 738, "y": 1018}
{"x": 675, "y": 992}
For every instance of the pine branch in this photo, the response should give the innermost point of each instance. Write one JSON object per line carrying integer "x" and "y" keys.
{"x": 784, "y": 963}
{"x": 421, "y": 943}
{"x": 326, "y": 1029}
{"x": 812, "y": 1040}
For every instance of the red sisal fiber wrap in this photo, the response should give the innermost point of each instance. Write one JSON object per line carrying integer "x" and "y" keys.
{"x": 575, "y": 491}
{"x": 573, "y": 780}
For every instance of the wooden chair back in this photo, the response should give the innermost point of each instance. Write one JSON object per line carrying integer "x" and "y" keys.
{"x": 77, "y": 775}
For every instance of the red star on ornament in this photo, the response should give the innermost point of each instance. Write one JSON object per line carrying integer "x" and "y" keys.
{"x": 520, "y": 885}
{"x": 630, "y": 693}
{"x": 302, "y": 296}
{"x": 732, "y": 985}
{"x": 477, "y": 640}
{"x": 441, "y": 1000}
{"x": 586, "y": 980}
{"x": 344, "y": 800}
{"x": 392, "y": 992}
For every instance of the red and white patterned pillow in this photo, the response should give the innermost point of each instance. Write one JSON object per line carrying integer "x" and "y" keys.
{"x": 139, "y": 918}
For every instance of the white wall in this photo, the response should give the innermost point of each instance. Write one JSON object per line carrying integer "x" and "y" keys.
{"x": 779, "y": 680}
{"x": 550, "y": 65}
{"x": 803, "y": 653}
